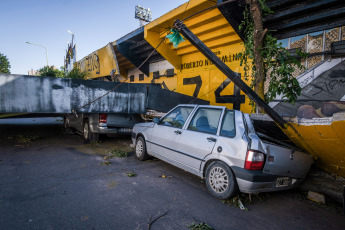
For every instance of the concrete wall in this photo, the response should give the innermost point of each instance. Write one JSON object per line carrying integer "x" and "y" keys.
{"x": 33, "y": 94}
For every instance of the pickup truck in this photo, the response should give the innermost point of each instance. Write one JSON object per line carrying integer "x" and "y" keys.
{"x": 221, "y": 145}
{"x": 92, "y": 125}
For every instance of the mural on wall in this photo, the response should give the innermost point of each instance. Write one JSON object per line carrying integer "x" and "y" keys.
{"x": 199, "y": 78}
{"x": 323, "y": 92}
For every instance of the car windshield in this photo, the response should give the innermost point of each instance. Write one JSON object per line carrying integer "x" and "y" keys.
{"x": 177, "y": 117}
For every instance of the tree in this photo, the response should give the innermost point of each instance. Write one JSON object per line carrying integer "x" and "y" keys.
{"x": 264, "y": 59}
{"x": 51, "y": 72}
{"x": 77, "y": 74}
{"x": 4, "y": 64}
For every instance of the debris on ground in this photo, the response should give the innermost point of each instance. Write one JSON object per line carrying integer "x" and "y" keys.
{"x": 129, "y": 173}
{"x": 237, "y": 201}
{"x": 200, "y": 226}
{"x": 316, "y": 197}
{"x": 106, "y": 163}
{"x": 331, "y": 186}
{"x": 164, "y": 176}
{"x": 151, "y": 160}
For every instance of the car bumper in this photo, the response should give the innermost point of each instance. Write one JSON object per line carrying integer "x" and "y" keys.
{"x": 108, "y": 130}
{"x": 256, "y": 181}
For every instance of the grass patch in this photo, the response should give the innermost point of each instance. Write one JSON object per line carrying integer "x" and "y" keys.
{"x": 118, "y": 153}
{"x": 200, "y": 226}
{"x": 22, "y": 139}
{"x": 113, "y": 153}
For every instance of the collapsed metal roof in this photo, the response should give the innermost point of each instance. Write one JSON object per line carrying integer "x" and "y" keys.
{"x": 291, "y": 17}
{"x": 136, "y": 49}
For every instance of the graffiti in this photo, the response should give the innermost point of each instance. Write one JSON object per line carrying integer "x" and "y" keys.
{"x": 206, "y": 62}
{"x": 194, "y": 81}
{"x": 236, "y": 99}
{"x": 327, "y": 86}
{"x": 92, "y": 63}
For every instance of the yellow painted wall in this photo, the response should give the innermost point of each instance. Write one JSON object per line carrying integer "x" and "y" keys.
{"x": 326, "y": 142}
{"x": 196, "y": 67}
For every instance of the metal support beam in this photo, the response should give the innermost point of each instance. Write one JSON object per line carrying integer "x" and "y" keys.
{"x": 192, "y": 38}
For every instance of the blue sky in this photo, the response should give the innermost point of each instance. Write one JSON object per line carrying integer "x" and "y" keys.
{"x": 45, "y": 22}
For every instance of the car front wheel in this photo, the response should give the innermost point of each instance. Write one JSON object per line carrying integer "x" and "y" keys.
{"x": 140, "y": 149}
{"x": 220, "y": 180}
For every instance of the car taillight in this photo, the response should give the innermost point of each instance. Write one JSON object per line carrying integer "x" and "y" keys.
{"x": 254, "y": 160}
{"x": 103, "y": 118}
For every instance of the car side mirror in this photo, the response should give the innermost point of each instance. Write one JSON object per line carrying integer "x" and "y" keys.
{"x": 156, "y": 120}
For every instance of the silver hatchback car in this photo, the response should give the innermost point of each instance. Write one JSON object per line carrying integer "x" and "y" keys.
{"x": 220, "y": 145}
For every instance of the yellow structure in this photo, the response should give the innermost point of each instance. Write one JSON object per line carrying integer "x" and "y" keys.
{"x": 196, "y": 75}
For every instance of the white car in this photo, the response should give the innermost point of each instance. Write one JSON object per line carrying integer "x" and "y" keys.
{"x": 220, "y": 145}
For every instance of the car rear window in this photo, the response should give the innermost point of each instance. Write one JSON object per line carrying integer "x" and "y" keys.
{"x": 228, "y": 125}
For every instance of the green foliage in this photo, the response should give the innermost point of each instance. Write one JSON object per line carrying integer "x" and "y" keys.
{"x": 4, "y": 64}
{"x": 118, "y": 153}
{"x": 77, "y": 74}
{"x": 278, "y": 62}
{"x": 131, "y": 174}
{"x": 51, "y": 72}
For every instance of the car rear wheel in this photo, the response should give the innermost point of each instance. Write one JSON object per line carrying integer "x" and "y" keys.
{"x": 140, "y": 149}
{"x": 89, "y": 136}
{"x": 220, "y": 180}
{"x": 68, "y": 130}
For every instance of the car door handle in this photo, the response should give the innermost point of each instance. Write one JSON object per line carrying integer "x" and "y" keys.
{"x": 177, "y": 131}
{"x": 211, "y": 139}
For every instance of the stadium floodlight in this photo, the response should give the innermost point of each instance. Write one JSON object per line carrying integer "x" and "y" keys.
{"x": 142, "y": 13}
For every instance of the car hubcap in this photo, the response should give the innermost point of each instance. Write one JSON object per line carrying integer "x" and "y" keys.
{"x": 139, "y": 148}
{"x": 86, "y": 131}
{"x": 218, "y": 179}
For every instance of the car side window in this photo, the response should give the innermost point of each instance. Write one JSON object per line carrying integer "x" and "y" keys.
{"x": 228, "y": 124}
{"x": 206, "y": 120}
{"x": 177, "y": 117}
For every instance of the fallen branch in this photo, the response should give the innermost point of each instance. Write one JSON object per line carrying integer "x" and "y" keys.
{"x": 158, "y": 217}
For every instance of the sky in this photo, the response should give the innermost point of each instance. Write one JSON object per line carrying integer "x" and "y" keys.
{"x": 94, "y": 23}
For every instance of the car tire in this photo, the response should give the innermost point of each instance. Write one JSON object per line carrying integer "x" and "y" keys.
{"x": 140, "y": 149}
{"x": 220, "y": 180}
{"x": 89, "y": 136}
{"x": 68, "y": 130}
